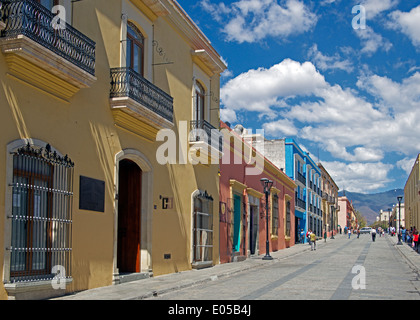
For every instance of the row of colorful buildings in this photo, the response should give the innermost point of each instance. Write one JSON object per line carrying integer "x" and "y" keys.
{"x": 115, "y": 164}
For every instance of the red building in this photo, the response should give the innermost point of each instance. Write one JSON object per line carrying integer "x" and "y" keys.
{"x": 242, "y": 204}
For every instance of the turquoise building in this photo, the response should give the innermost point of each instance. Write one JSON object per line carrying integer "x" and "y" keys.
{"x": 300, "y": 167}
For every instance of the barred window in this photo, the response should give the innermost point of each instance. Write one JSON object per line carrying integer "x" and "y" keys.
{"x": 287, "y": 230}
{"x": 42, "y": 192}
{"x": 275, "y": 219}
{"x": 203, "y": 228}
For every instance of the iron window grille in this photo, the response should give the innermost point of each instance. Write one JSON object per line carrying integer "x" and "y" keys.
{"x": 275, "y": 216}
{"x": 41, "y": 237}
{"x": 288, "y": 224}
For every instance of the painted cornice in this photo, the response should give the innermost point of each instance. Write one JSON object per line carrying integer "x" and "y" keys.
{"x": 200, "y": 44}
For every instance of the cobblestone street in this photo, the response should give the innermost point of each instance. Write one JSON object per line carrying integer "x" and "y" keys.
{"x": 332, "y": 272}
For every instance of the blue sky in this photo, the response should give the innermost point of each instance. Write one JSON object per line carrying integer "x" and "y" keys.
{"x": 347, "y": 92}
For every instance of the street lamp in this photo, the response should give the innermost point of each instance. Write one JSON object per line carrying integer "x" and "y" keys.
{"x": 267, "y": 184}
{"x": 399, "y": 220}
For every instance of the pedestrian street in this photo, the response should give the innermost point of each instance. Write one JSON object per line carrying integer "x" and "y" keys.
{"x": 340, "y": 269}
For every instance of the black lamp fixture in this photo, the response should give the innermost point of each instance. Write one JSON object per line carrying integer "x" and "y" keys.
{"x": 267, "y": 184}
{"x": 399, "y": 220}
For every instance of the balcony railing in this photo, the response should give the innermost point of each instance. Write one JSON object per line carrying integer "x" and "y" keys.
{"x": 300, "y": 203}
{"x": 33, "y": 20}
{"x": 201, "y": 130}
{"x": 301, "y": 178}
{"x": 125, "y": 82}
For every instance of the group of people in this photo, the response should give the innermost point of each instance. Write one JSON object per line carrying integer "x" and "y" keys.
{"x": 310, "y": 236}
{"x": 410, "y": 236}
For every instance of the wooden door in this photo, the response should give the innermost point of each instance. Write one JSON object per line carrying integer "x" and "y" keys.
{"x": 129, "y": 213}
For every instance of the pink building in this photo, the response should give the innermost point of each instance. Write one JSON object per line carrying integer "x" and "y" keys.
{"x": 243, "y": 230}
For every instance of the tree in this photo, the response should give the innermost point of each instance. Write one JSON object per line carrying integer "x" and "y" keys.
{"x": 360, "y": 219}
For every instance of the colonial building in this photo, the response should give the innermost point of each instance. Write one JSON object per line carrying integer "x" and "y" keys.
{"x": 412, "y": 197}
{"x": 397, "y": 217}
{"x": 346, "y": 215}
{"x": 383, "y": 216}
{"x": 110, "y": 170}
{"x": 243, "y": 202}
{"x": 329, "y": 202}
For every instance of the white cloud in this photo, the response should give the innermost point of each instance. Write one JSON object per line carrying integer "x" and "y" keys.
{"x": 372, "y": 41}
{"x": 324, "y": 62}
{"x": 254, "y": 20}
{"x": 261, "y": 89}
{"x": 228, "y": 115}
{"x": 375, "y": 7}
{"x": 408, "y": 23}
{"x": 406, "y": 164}
{"x": 398, "y": 97}
{"x": 339, "y": 120}
{"x": 358, "y": 176}
{"x": 280, "y": 127}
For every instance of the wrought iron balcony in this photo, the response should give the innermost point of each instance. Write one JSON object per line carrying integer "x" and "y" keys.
{"x": 31, "y": 19}
{"x": 301, "y": 178}
{"x": 126, "y": 83}
{"x": 201, "y": 130}
{"x": 300, "y": 203}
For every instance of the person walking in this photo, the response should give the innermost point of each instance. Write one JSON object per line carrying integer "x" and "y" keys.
{"x": 349, "y": 233}
{"x": 358, "y": 233}
{"x": 416, "y": 241}
{"x": 308, "y": 236}
{"x": 313, "y": 241}
{"x": 302, "y": 236}
{"x": 373, "y": 234}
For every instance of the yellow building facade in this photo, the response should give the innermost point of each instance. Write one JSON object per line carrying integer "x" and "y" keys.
{"x": 329, "y": 202}
{"x": 104, "y": 176}
{"x": 412, "y": 197}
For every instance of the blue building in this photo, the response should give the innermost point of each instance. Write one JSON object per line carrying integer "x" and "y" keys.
{"x": 300, "y": 167}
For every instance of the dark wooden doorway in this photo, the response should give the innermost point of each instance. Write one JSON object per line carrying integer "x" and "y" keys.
{"x": 129, "y": 214}
{"x": 253, "y": 229}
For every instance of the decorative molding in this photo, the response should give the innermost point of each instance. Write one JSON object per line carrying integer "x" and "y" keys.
{"x": 214, "y": 66}
{"x": 41, "y": 68}
{"x": 139, "y": 120}
{"x": 157, "y": 7}
{"x": 254, "y": 193}
{"x": 236, "y": 185}
{"x": 198, "y": 41}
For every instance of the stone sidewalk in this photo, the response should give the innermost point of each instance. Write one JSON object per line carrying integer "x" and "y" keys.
{"x": 156, "y": 286}
{"x": 407, "y": 253}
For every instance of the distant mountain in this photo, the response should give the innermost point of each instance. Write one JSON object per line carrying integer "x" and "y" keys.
{"x": 369, "y": 205}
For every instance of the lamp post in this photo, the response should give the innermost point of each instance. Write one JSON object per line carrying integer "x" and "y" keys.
{"x": 399, "y": 220}
{"x": 267, "y": 184}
